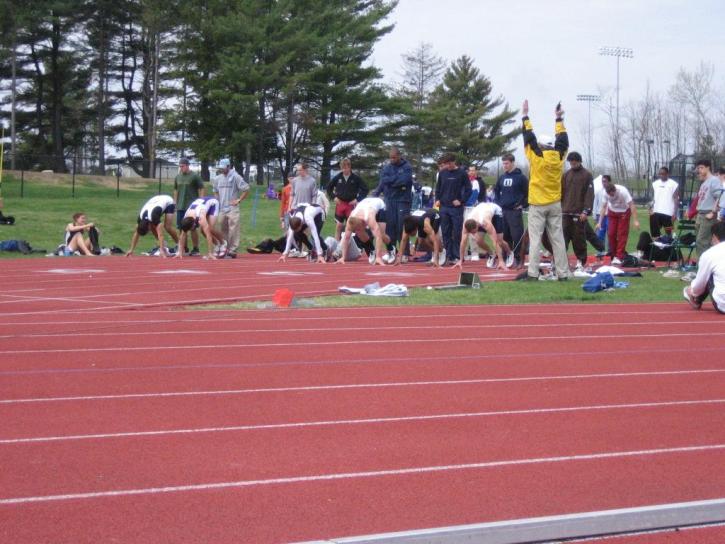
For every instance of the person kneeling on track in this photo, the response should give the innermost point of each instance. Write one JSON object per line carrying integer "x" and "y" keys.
{"x": 487, "y": 218}
{"x": 202, "y": 214}
{"x": 150, "y": 219}
{"x": 426, "y": 226}
{"x": 367, "y": 222}
{"x": 710, "y": 278}
{"x": 306, "y": 217}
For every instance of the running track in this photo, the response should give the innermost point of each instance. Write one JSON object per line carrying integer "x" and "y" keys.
{"x": 127, "y": 419}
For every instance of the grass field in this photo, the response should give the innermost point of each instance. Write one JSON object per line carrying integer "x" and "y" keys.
{"x": 46, "y": 208}
{"x": 651, "y": 287}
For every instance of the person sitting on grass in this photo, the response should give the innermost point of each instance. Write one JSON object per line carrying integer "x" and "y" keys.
{"x": 306, "y": 217}
{"x": 74, "y": 240}
{"x": 150, "y": 218}
{"x": 487, "y": 218}
{"x": 367, "y": 222}
{"x": 710, "y": 278}
{"x": 426, "y": 226}
{"x": 202, "y": 214}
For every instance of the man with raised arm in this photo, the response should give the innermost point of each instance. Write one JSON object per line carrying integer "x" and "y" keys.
{"x": 546, "y": 162}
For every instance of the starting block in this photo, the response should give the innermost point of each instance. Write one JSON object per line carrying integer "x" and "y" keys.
{"x": 466, "y": 280}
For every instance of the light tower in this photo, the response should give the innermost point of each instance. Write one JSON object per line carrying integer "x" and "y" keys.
{"x": 589, "y": 98}
{"x": 619, "y": 53}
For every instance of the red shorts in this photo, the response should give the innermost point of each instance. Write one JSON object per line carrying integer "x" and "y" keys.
{"x": 343, "y": 211}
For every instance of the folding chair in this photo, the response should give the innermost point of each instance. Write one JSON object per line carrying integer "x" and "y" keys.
{"x": 678, "y": 248}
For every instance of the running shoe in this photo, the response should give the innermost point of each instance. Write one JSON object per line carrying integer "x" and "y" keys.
{"x": 442, "y": 257}
{"x": 691, "y": 301}
{"x": 475, "y": 256}
{"x": 194, "y": 252}
{"x": 509, "y": 260}
{"x": 491, "y": 261}
{"x": 616, "y": 261}
{"x": 371, "y": 257}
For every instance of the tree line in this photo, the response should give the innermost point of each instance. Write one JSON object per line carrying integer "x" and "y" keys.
{"x": 266, "y": 83}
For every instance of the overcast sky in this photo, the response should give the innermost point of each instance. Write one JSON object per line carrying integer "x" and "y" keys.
{"x": 548, "y": 51}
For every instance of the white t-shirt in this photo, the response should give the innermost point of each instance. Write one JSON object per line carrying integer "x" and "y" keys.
{"x": 367, "y": 208}
{"x": 598, "y": 195}
{"x": 485, "y": 212}
{"x": 711, "y": 263}
{"x": 165, "y": 202}
{"x": 664, "y": 192}
{"x": 619, "y": 201}
{"x": 207, "y": 206}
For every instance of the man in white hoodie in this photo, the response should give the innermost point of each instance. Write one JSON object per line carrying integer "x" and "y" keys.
{"x": 710, "y": 279}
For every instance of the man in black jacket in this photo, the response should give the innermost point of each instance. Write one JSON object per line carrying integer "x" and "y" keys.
{"x": 347, "y": 189}
{"x": 511, "y": 192}
{"x": 452, "y": 191}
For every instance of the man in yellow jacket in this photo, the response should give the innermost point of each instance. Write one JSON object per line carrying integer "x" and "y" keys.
{"x": 546, "y": 157}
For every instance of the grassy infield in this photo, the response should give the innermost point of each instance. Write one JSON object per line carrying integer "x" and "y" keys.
{"x": 45, "y": 209}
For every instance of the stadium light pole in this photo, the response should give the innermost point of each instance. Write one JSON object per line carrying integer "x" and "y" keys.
{"x": 589, "y": 98}
{"x": 619, "y": 53}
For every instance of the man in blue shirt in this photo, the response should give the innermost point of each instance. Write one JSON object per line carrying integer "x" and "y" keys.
{"x": 396, "y": 185}
{"x": 452, "y": 191}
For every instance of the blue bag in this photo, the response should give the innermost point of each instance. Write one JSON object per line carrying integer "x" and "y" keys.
{"x": 600, "y": 282}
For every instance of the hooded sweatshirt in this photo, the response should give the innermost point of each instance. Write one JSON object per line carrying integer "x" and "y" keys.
{"x": 512, "y": 190}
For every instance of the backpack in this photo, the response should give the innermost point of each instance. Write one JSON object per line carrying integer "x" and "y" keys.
{"x": 16, "y": 245}
{"x": 599, "y": 282}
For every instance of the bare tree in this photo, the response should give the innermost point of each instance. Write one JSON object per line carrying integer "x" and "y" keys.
{"x": 694, "y": 90}
{"x": 422, "y": 70}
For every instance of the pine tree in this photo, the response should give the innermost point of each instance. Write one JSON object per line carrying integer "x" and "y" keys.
{"x": 464, "y": 116}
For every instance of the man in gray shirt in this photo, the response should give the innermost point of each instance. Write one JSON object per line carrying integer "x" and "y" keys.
{"x": 230, "y": 189}
{"x": 707, "y": 204}
{"x": 304, "y": 188}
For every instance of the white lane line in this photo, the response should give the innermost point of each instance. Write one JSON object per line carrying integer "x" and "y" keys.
{"x": 366, "y": 341}
{"x": 368, "y": 421}
{"x": 295, "y": 315}
{"x": 278, "y": 330}
{"x": 357, "y": 386}
{"x": 448, "y": 359}
{"x": 356, "y": 475}
{"x": 28, "y": 298}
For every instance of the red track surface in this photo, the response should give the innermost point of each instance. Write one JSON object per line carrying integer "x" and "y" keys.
{"x": 128, "y": 420}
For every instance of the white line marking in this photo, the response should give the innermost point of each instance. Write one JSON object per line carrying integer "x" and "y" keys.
{"x": 298, "y": 314}
{"x": 289, "y": 273}
{"x": 71, "y": 271}
{"x": 116, "y": 332}
{"x": 180, "y": 272}
{"x": 368, "y": 421}
{"x": 448, "y": 359}
{"x": 366, "y": 341}
{"x": 367, "y": 474}
{"x": 356, "y": 386}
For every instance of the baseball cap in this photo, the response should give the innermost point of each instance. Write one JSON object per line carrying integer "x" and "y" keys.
{"x": 184, "y": 160}
{"x": 223, "y": 163}
{"x": 545, "y": 140}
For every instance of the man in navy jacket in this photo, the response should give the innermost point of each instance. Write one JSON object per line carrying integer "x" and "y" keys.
{"x": 452, "y": 191}
{"x": 512, "y": 193}
{"x": 396, "y": 185}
